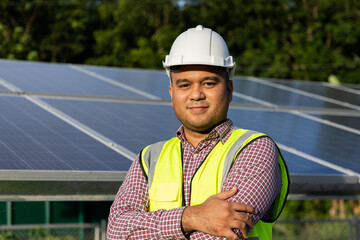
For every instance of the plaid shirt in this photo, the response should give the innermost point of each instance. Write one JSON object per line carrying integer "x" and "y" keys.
{"x": 255, "y": 173}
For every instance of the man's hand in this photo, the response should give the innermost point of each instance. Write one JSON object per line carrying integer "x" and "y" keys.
{"x": 218, "y": 217}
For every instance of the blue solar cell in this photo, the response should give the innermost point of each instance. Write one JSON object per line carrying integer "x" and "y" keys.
{"x": 131, "y": 125}
{"x": 153, "y": 82}
{"x": 58, "y": 78}
{"x": 353, "y": 122}
{"x": 33, "y": 139}
{"x": 4, "y": 89}
{"x": 299, "y": 165}
{"x": 279, "y": 96}
{"x": 323, "y": 90}
{"x": 325, "y": 142}
{"x": 243, "y": 101}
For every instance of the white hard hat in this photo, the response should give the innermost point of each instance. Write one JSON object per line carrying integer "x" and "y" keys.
{"x": 199, "y": 46}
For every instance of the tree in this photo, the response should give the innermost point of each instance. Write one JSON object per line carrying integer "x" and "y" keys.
{"x": 16, "y": 41}
{"x": 291, "y": 39}
{"x": 300, "y": 39}
{"x": 135, "y": 33}
{"x": 69, "y": 31}
{"x": 47, "y": 30}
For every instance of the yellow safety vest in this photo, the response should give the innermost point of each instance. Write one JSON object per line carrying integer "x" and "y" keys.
{"x": 162, "y": 166}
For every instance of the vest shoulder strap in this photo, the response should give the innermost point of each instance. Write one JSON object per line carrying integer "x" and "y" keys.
{"x": 234, "y": 150}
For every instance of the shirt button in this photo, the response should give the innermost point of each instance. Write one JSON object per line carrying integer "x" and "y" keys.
{"x": 189, "y": 182}
{"x": 195, "y": 155}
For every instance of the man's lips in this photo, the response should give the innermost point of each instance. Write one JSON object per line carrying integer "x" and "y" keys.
{"x": 197, "y": 108}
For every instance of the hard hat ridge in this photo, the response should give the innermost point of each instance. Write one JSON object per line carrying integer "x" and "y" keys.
{"x": 199, "y": 46}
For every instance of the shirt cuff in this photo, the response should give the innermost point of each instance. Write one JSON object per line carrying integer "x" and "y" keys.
{"x": 170, "y": 223}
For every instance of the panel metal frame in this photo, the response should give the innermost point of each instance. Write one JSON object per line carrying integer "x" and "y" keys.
{"x": 103, "y": 186}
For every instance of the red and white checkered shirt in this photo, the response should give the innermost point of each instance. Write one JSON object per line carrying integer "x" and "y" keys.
{"x": 255, "y": 173}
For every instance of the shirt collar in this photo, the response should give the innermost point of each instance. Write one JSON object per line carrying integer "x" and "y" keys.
{"x": 220, "y": 132}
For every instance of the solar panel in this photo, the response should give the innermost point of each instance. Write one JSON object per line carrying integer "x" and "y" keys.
{"x": 131, "y": 125}
{"x": 153, "y": 82}
{"x": 301, "y": 166}
{"x": 267, "y": 91}
{"x": 338, "y": 92}
{"x": 3, "y": 89}
{"x": 350, "y": 121}
{"x": 33, "y": 139}
{"x": 61, "y": 122}
{"x": 58, "y": 79}
{"x": 304, "y": 135}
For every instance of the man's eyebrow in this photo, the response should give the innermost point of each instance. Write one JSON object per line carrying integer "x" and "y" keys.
{"x": 185, "y": 80}
{"x": 181, "y": 80}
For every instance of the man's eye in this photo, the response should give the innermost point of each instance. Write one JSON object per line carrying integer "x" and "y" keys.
{"x": 209, "y": 84}
{"x": 184, "y": 85}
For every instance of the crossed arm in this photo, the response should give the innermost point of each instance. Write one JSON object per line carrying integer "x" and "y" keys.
{"x": 253, "y": 189}
{"x": 218, "y": 217}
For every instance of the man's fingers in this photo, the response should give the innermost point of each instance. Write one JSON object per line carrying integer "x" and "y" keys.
{"x": 242, "y": 227}
{"x": 242, "y": 207}
{"x": 245, "y": 218}
{"x": 231, "y": 235}
{"x": 226, "y": 194}
{"x": 222, "y": 216}
{"x": 242, "y": 210}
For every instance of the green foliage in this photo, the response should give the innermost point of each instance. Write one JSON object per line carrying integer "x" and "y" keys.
{"x": 43, "y": 234}
{"x": 288, "y": 39}
{"x": 56, "y": 31}
{"x": 312, "y": 230}
{"x": 316, "y": 219}
{"x": 139, "y": 35}
{"x": 16, "y": 44}
{"x": 68, "y": 39}
{"x": 306, "y": 209}
{"x": 295, "y": 39}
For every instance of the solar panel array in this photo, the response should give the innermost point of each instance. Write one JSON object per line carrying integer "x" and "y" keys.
{"x": 63, "y": 122}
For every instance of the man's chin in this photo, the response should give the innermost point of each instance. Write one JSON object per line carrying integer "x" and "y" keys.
{"x": 201, "y": 128}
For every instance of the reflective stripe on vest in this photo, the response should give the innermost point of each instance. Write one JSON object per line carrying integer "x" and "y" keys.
{"x": 162, "y": 165}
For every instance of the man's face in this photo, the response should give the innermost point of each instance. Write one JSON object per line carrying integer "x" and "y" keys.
{"x": 200, "y": 96}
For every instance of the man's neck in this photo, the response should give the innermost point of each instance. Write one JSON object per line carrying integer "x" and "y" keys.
{"x": 194, "y": 137}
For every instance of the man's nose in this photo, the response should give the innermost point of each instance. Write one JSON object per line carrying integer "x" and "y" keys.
{"x": 197, "y": 93}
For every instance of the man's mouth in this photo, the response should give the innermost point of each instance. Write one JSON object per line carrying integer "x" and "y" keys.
{"x": 198, "y": 108}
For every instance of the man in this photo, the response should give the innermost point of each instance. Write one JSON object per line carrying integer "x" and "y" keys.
{"x": 210, "y": 181}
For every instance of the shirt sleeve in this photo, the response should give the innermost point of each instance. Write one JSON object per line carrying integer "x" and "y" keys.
{"x": 256, "y": 174}
{"x": 128, "y": 218}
